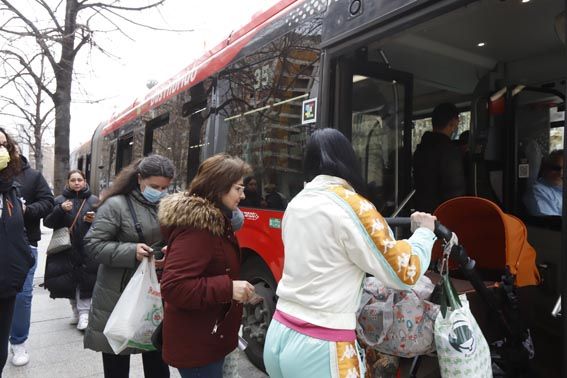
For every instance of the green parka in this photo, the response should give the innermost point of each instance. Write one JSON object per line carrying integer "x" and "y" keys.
{"x": 111, "y": 242}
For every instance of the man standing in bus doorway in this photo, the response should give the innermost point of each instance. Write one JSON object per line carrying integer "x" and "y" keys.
{"x": 438, "y": 170}
{"x": 37, "y": 201}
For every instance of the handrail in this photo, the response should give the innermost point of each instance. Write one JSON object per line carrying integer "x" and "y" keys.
{"x": 403, "y": 204}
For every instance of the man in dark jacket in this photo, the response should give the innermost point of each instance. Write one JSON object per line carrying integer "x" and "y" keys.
{"x": 37, "y": 203}
{"x": 438, "y": 170}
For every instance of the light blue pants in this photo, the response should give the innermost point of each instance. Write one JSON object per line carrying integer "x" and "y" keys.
{"x": 22, "y": 310}
{"x": 289, "y": 354}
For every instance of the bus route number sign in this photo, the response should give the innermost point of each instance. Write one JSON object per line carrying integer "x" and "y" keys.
{"x": 309, "y": 111}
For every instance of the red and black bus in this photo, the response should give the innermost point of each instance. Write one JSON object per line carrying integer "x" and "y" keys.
{"x": 373, "y": 69}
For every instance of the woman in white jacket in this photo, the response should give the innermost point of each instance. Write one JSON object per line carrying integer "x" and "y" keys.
{"x": 332, "y": 237}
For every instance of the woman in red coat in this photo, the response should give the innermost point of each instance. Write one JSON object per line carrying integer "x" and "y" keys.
{"x": 200, "y": 287}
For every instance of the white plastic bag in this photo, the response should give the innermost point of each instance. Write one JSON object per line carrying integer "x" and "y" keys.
{"x": 462, "y": 349}
{"x": 137, "y": 313}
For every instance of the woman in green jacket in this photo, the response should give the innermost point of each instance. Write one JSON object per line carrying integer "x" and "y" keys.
{"x": 114, "y": 242}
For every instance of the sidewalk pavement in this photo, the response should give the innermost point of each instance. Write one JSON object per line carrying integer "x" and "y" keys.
{"x": 56, "y": 347}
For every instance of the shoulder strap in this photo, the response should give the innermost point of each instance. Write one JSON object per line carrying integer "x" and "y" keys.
{"x": 77, "y": 216}
{"x": 396, "y": 256}
{"x": 137, "y": 224}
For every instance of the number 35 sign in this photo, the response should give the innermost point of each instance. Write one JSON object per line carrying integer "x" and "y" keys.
{"x": 309, "y": 111}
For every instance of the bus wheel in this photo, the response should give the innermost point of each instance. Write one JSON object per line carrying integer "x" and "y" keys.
{"x": 256, "y": 318}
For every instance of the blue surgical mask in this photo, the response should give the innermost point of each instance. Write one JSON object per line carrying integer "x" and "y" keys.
{"x": 237, "y": 219}
{"x": 153, "y": 195}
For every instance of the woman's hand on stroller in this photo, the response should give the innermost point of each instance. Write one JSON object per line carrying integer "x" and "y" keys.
{"x": 419, "y": 219}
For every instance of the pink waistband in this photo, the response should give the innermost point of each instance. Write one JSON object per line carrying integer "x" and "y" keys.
{"x": 312, "y": 330}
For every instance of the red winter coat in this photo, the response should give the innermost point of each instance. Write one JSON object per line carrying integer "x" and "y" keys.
{"x": 201, "y": 320}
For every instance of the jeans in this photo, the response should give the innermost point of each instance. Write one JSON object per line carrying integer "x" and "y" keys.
{"x": 212, "y": 370}
{"x": 118, "y": 366}
{"x": 6, "y": 312}
{"x": 22, "y": 310}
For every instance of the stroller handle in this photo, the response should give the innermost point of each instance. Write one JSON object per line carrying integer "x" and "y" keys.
{"x": 440, "y": 230}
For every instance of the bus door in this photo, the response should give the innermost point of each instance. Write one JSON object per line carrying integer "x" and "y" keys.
{"x": 534, "y": 131}
{"x": 373, "y": 108}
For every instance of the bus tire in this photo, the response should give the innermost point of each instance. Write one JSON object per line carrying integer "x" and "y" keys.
{"x": 256, "y": 318}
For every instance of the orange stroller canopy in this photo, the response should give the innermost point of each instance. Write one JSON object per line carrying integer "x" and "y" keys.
{"x": 491, "y": 237}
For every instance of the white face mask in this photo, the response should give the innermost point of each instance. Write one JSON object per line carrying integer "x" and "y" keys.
{"x": 4, "y": 158}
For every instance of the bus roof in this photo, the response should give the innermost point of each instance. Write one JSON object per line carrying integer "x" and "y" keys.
{"x": 210, "y": 62}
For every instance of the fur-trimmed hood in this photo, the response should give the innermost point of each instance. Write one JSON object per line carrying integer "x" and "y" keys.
{"x": 184, "y": 210}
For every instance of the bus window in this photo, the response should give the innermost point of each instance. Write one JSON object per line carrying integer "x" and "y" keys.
{"x": 421, "y": 125}
{"x": 376, "y": 136}
{"x": 124, "y": 152}
{"x": 169, "y": 139}
{"x": 373, "y": 106}
{"x": 80, "y": 164}
{"x": 536, "y": 140}
{"x": 261, "y": 99}
{"x": 197, "y": 112}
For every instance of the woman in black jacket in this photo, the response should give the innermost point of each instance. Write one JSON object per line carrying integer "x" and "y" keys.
{"x": 16, "y": 258}
{"x": 70, "y": 274}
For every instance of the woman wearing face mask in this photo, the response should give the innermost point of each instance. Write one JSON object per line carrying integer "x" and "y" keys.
{"x": 71, "y": 274}
{"x": 200, "y": 286}
{"x": 16, "y": 257}
{"x": 115, "y": 243}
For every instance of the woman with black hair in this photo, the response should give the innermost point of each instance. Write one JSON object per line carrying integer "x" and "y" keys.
{"x": 125, "y": 228}
{"x": 333, "y": 236}
{"x": 70, "y": 274}
{"x": 16, "y": 257}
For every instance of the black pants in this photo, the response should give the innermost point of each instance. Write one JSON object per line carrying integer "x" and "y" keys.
{"x": 6, "y": 312}
{"x": 116, "y": 366}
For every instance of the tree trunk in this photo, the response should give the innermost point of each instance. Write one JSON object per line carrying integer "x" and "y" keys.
{"x": 64, "y": 76}
{"x": 38, "y": 151}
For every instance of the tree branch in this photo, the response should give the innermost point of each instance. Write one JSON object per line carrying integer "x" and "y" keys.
{"x": 51, "y": 14}
{"x": 38, "y": 34}
{"x": 29, "y": 70}
{"x": 83, "y": 5}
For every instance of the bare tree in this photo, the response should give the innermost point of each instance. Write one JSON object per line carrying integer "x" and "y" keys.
{"x": 27, "y": 105}
{"x": 60, "y": 39}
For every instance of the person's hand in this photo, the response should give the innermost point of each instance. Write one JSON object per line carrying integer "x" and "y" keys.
{"x": 89, "y": 216}
{"x": 419, "y": 219}
{"x": 67, "y": 205}
{"x": 242, "y": 291}
{"x": 142, "y": 250}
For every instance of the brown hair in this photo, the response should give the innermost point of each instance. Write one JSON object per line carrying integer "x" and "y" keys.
{"x": 76, "y": 171}
{"x": 216, "y": 175}
{"x": 127, "y": 179}
{"x": 15, "y": 165}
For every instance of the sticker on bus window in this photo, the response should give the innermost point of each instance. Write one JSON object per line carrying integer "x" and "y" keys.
{"x": 250, "y": 215}
{"x": 309, "y": 111}
{"x": 275, "y": 223}
{"x": 523, "y": 171}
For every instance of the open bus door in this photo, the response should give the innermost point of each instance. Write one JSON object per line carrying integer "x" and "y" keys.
{"x": 373, "y": 108}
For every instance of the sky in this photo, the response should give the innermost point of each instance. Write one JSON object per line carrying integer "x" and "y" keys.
{"x": 114, "y": 82}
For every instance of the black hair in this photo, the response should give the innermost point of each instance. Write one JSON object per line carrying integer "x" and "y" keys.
{"x": 329, "y": 152}
{"x": 443, "y": 114}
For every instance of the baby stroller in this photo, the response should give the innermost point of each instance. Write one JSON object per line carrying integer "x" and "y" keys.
{"x": 501, "y": 261}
